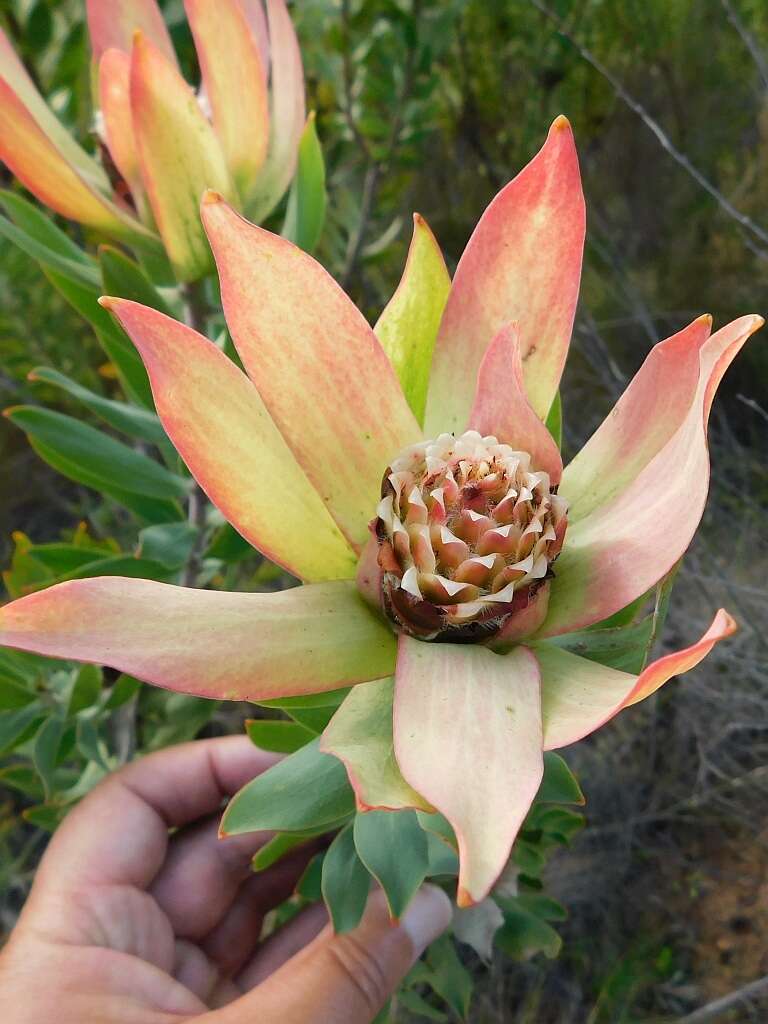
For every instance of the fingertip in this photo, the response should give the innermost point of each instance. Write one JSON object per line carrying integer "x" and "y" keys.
{"x": 428, "y": 915}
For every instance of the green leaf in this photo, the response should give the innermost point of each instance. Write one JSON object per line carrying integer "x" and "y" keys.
{"x": 60, "y": 559}
{"x": 440, "y": 826}
{"x": 36, "y": 235}
{"x": 18, "y": 725}
{"x": 128, "y": 419}
{"x": 72, "y": 270}
{"x": 310, "y": 884}
{"x": 314, "y": 719}
{"x": 120, "y": 565}
{"x": 228, "y": 545}
{"x": 305, "y": 213}
{"x": 125, "y": 689}
{"x": 442, "y": 858}
{"x": 90, "y": 744}
{"x": 329, "y": 699}
{"x": 560, "y": 822}
{"x": 542, "y": 906}
{"x": 393, "y": 847}
{"x": 448, "y": 976}
{"x": 416, "y": 1004}
{"x": 306, "y": 790}
{"x": 90, "y": 457}
{"x": 276, "y": 848}
{"x": 123, "y": 278}
{"x": 524, "y": 934}
{"x": 559, "y": 785}
{"x": 118, "y": 348}
{"x": 30, "y": 218}
{"x": 345, "y": 882}
{"x": 46, "y": 751}
{"x": 47, "y": 816}
{"x": 14, "y": 694}
{"x": 620, "y": 647}
{"x": 86, "y": 690}
{"x": 529, "y": 857}
{"x": 169, "y": 544}
{"x": 281, "y": 737}
{"x": 23, "y": 778}
{"x": 360, "y": 733}
{"x": 554, "y": 420}
{"x": 148, "y": 509}
{"x": 408, "y": 325}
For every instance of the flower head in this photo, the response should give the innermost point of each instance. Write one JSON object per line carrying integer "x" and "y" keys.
{"x": 467, "y": 529}
{"x": 292, "y": 452}
{"x": 162, "y": 143}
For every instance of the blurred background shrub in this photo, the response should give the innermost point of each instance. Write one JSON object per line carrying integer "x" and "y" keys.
{"x": 432, "y": 105}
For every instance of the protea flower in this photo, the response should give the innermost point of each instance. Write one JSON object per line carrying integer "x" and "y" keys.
{"x": 163, "y": 144}
{"x": 483, "y": 551}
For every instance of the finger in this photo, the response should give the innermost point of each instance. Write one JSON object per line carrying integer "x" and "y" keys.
{"x": 346, "y": 979}
{"x": 284, "y": 944}
{"x": 201, "y": 874}
{"x": 199, "y": 975}
{"x": 232, "y": 942}
{"x": 119, "y": 833}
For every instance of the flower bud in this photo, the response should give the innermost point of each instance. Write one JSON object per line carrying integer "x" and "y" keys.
{"x": 467, "y": 532}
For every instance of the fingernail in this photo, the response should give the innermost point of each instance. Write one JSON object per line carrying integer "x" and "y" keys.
{"x": 428, "y": 915}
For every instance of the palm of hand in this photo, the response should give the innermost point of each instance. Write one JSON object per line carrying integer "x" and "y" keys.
{"x": 129, "y": 924}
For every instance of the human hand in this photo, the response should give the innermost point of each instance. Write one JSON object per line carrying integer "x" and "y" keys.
{"x": 128, "y": 924}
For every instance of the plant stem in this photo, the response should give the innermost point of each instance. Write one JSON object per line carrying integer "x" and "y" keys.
{"x": 196, "y": 316}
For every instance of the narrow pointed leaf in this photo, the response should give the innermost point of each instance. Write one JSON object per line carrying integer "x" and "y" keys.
{"x": 523, "y": 263}
{"x": 501, "y": 406}
{"x": 41, "y": 229}
{"x": 554, "y": 421}
{"x": 307, "y": 790}
{"x": 345, "y": 882}
{"x": 305, "y": 215}
{"x": 235, "y": 83}
{"x": 168, "y": 543}
{"x": 634, "y": 536}
{"x": 130, "y": 420}
{"x": 578, "y": 696}
{"x": 209, "y": 409}
{"x": 180, "y": 156}
{"x": 34, "y": 233}
{"x": 304, "y": 344}
{"x": 100, "y": 456}
{"x": 468, "y": 737}
{"x": 13, "y": 72}
{"x": 112, "y": 23}
{"x": 643, "y": 420}
{"x": 287, "y": 113}
{"x": 212, "y": 644}
{"x": 360, "y": 735}
{"x": 281, "y": 737}
{"x": 119, "y": 350}
{"x": 257, "y": 23}
{"x": 38, "y": 164}
{"x": 407, "y": 328}
{"x": 393, "y": 847}
{"x": 120, "y": 275}
{"x": 559, "y": 785}
{"x": 115, "y": 102}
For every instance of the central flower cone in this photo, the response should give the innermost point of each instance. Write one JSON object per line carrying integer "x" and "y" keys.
{"x": 467, "y": 532}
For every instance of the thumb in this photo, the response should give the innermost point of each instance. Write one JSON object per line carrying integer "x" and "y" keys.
{"x": 346, "y": 979}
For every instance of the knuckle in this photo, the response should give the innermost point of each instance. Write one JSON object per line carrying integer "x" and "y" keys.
{"x": 363, "y": 971}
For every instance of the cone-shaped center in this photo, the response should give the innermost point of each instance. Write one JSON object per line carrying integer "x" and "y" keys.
{"x": 467, "y": 532}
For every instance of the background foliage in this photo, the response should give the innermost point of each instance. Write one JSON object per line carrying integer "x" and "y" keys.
{"x": 432, "y": 105}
